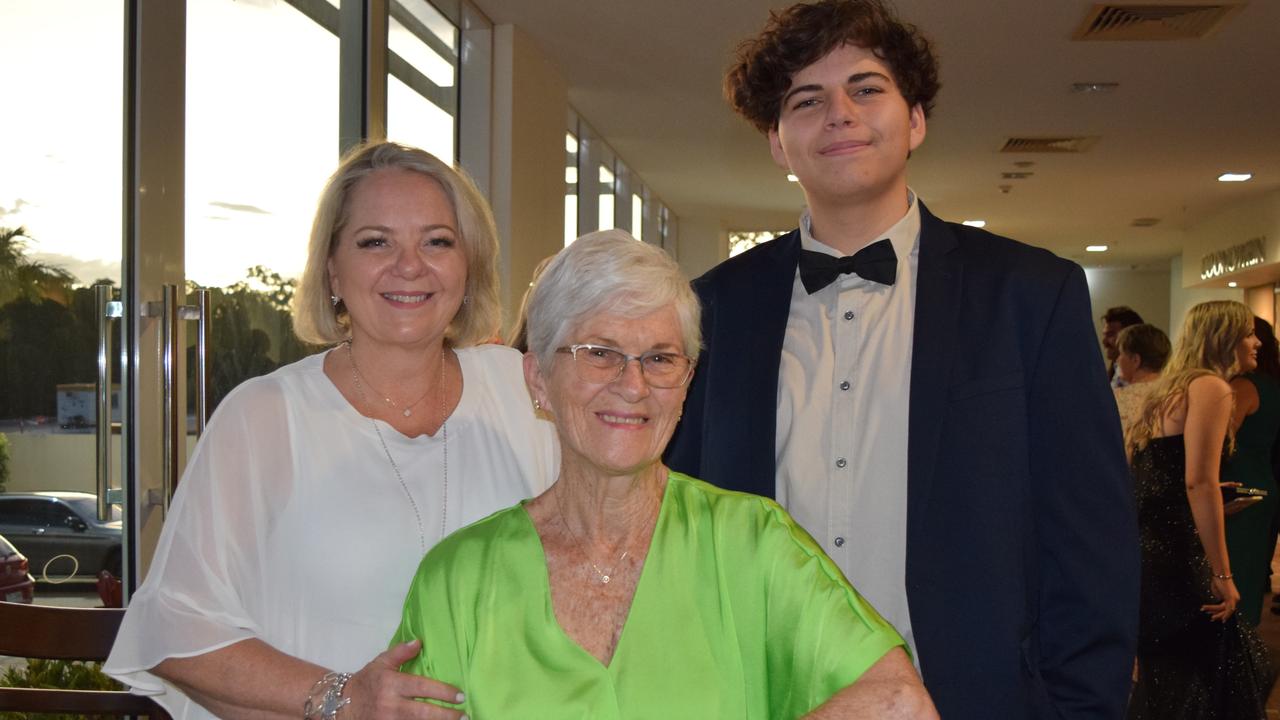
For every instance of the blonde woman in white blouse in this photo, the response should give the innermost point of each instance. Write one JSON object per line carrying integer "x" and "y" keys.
{"x": 307, "y": 505}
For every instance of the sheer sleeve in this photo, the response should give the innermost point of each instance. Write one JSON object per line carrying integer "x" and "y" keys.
{"x": 204, "y": 589}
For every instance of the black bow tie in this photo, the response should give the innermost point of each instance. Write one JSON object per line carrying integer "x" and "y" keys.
{"x": 876, "y": 262}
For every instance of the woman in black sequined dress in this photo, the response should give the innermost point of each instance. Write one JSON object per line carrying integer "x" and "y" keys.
{"x": 1195, "y": 660}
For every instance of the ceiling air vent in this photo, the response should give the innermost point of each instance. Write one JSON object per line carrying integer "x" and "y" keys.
{"x": 1145, "y": 222}
{"x": 1164, "y": 21}
{"x": 1048, "y": 144}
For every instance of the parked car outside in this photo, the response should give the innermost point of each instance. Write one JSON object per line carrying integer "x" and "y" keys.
{"x": 16, "y": 583}
{"x": 60, "y": 534}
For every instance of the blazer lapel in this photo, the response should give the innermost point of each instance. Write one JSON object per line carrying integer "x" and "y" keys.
{"x": 938, "y": 285}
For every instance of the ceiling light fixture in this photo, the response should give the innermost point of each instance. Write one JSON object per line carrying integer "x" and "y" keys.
{"x": 792, "y": 178}
{"x": 1095, "y": 248}
{"x": 1094, "y": 88}
{"x": 1233, "y": 283}
{"x": 1235, "y": 177}
{"x": 975, "y": 223}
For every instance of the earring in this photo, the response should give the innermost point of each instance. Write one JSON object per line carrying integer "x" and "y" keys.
{"x": 466, "y": 299}
{"x": 537, "y": 405}
{"x": 335, "y": 300}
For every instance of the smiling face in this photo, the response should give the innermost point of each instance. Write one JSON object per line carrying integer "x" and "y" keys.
{"x": 397, "y": 262}
{"x": 1247, "y": 352}
{"x": 845, "y": 130}
{"x": 618, "y": 428}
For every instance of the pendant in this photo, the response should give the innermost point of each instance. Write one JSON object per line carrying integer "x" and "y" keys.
{"x": 407, "y": 412}
{"x": 604, "y": 579}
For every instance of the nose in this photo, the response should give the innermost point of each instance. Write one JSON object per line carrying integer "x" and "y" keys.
{"x": 409, "y": 263}
{"x": 840, "y": 110}
{"x": 631, "y": 384}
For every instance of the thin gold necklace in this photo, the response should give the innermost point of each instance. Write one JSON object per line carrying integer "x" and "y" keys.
{"x": 605, "y": 577}
{"x": 407, "y": 410}
{"x": 444, "y": 437}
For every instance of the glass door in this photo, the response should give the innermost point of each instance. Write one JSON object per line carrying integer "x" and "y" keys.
{"x": 61, "y": 242}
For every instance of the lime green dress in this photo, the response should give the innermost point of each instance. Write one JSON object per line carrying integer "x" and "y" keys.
{"x": 1250, "y": 543}
{"x": 737, "y": 614}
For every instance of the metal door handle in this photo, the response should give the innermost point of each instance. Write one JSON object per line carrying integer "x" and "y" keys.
{"x": 200, "y": 312}
{"x": 107, "y": 310}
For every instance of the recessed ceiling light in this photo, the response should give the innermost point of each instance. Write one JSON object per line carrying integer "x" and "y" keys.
{"x": 792, "y": 178}
{"x": 975, "y": 223}
{"x": 1094, "y": 88}
{"x": 1235, "y": 177}
{"x": 1095, "y": 248}
{"x": 1233, "y": 283}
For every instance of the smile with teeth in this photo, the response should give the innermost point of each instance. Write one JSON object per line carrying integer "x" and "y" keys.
{"x": 623, "y": 420}
{"x": 405, "y": 298}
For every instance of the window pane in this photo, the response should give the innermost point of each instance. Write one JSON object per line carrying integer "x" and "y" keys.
{"x": 570, "y": 188}
{"x": 607, "y": 218}
{"x": 61, "y": 219}
{"x": 262, "y": 129}
{"x": 637, "y": 217}
{"x": 422, "y": 72}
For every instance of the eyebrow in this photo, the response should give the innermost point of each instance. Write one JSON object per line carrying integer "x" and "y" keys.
{"x": 424, "y": 228}
{"x": 852, "y": 80}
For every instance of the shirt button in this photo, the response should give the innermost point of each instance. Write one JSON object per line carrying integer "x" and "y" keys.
{"x": 844, "y": 385}
{"x": 841, "y": 462}
{"x": 839, "y": 542}
{"x": 848, "y": 314}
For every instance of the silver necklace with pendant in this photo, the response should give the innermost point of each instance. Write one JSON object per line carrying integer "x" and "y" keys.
{"x": 444, "y": 437}
{"x": 604, "y": 576}
{"x": 406, "y": 411}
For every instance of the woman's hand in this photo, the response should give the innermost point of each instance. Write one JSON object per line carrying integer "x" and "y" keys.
{"x": 380, "y": 690}
{"x": 1224, "y": 590}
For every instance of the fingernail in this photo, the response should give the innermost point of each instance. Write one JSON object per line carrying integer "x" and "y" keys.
{"x": 464, "y": 717}
{"x": 462, "y": 697}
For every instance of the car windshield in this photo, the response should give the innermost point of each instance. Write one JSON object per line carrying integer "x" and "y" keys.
{"x": 5, "y": 548}
{"x": 87, "y": 508}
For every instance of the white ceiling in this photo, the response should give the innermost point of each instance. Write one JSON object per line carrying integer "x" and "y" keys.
{"x": 646, "y": 75}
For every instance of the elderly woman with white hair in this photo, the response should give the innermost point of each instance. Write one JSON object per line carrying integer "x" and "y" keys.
{"x": 627, "y": 590}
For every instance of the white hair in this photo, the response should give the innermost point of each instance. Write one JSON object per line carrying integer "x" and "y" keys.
{"x": 608, "y": 271}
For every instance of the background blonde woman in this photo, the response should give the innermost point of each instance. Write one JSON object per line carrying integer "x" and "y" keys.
{"x": 1195, "y": 660}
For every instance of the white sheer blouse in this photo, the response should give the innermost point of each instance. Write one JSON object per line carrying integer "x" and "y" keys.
{"x": 290, "y": 525}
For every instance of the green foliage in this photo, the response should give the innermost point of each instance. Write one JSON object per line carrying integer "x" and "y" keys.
{"x": 4, "y": 461}
{"x": 55, "y": 674}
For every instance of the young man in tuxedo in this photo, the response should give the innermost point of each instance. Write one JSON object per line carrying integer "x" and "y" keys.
{"x": 927, "y": 399}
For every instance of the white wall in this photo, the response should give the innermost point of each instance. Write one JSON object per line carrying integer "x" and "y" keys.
{"x": 703, "y": 244}
{"x": 530, "y": 104}
{"x": 1146, "y": 291}
{"x": 1182, "y": 299}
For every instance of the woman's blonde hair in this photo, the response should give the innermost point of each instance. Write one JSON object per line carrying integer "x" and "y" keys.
{"x": 319, "y": 321}
{"x": 1207, "y": 346}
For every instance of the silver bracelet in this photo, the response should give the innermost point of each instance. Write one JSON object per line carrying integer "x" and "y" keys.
{"x": 325, "y": 699}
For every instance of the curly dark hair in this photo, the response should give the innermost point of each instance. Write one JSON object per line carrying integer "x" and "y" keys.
{"x": 803, "y": 34}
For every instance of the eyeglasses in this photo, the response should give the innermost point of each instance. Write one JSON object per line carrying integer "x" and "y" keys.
{"x": 602, "y": 365}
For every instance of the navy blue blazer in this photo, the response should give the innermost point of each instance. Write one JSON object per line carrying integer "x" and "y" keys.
{"x": 1022, "y": 545}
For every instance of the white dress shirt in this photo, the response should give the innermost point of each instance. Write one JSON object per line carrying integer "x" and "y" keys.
{"x": 843, "y": 396}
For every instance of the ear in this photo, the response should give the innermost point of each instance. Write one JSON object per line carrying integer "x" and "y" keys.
{"x": 775, "y": 149}
{"x": 534, "y": 380}
{"x": 916, "y": 120}
{"x": 333, "y": 277}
